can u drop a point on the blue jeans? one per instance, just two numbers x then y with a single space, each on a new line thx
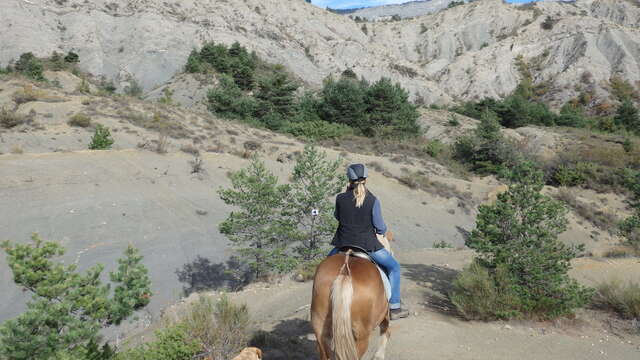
392 267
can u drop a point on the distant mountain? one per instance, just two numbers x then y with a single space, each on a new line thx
405 10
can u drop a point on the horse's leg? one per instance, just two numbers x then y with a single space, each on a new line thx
321 331
362 345
385 333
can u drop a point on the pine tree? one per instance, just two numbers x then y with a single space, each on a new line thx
277 93
343 102
258 229
315 180
627 116
194 63
68 309
519 234
390 112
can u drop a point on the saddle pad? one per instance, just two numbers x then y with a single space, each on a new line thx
383 275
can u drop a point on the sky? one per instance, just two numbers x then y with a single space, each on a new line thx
346 4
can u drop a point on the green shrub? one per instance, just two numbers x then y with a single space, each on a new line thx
30 66
572 175
630 231
318 130
72 58
194 63
479 294
627 145
229 101
434 148
485 151
101 139
9 119
79 120
172 343
442 245
548 23
133 89
519 233
453 121
621 298
627 116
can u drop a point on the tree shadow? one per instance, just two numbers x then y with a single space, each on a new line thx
289 340
201 275
438 282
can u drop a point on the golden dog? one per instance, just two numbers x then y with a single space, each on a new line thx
250 353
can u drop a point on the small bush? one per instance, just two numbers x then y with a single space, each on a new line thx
9 119
172 343
548 23
630 230
318 130
621 298
26 94
30 66
479 296
307 270
453 121
101 139
442 245
434 148
133 89
221 328
79 120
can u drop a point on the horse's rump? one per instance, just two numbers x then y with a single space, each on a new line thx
366 303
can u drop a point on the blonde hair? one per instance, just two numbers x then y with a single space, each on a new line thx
359 191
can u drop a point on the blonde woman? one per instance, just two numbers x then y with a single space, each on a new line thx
359 215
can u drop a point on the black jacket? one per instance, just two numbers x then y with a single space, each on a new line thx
356 224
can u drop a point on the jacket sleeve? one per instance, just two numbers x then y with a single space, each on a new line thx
378 222
335 211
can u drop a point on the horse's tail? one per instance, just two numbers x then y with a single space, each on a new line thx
343 341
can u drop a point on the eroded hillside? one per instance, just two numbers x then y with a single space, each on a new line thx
466 52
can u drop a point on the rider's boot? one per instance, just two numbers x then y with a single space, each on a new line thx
398 313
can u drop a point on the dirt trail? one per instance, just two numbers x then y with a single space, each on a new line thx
435 331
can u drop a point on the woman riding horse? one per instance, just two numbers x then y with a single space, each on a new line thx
359 215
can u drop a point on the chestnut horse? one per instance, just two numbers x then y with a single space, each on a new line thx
348 303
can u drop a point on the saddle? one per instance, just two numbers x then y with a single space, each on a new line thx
361 253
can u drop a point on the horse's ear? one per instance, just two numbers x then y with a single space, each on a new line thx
389 235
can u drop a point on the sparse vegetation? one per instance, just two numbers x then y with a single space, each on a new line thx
619 297
442 245
10 119
29 66
235 61
101 139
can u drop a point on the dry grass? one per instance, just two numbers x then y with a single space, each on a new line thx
416 180
622 298
79 120
190 149
29 93
620 251
601 219
10 119
17 149
222 327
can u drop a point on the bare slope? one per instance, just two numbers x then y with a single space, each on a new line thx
461 53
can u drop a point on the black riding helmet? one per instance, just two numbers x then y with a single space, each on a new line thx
356 172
